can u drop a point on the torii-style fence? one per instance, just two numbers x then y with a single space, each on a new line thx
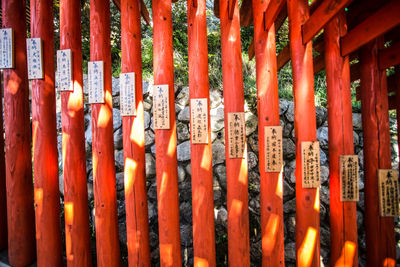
360 41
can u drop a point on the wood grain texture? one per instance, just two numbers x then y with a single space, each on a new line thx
105 198
137 224
268 115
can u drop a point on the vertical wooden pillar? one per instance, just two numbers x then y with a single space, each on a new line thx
77 236
268 115
380 238
166 161
105 196
3 191
44 132
137 224
307 199
21 216
236 168
201 154
343 217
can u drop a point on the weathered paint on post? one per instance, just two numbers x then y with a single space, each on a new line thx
380 238
44 133
3 191
166 159
343 215
137 224
268 115
236 168
77 237
307 199
201 154
20 216
105 196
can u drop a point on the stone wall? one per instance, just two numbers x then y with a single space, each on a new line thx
220 211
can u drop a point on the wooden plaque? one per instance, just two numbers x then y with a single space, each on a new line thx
34 58
388 193
236 134
127 94
96 82
64 70
310 164
6 48
161 107
199 120
349 178
273 148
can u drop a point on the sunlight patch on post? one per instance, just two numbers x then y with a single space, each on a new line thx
129 174
307 248
271 231
104 117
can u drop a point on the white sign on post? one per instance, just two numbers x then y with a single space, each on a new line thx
96 82
127 94
35 58
64 70
161 107
6 48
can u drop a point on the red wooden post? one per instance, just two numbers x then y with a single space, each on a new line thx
166 161
380 238
137 224
201 154
307 199
21 216
3 191
44 132
236 168
268 115
77 235
105 196
343 216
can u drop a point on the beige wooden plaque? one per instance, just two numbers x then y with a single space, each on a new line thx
96 81
310 164
349 178
127 94
161 107
273 148
199 120
34 58
388 193
6 48
64 70
236 134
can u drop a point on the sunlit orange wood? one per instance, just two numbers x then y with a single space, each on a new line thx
137 220
20 216
105 196
307 199
77 236
201 154
343 215
236 168
44 131
380 238
166 161
268 115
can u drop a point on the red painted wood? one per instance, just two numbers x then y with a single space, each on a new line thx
343 215
105 198
77 236
268 115
44 132
389 57
137 224
271 12
201 154
283 57
20 216
3 191
166 161
375 25
380 238
321 16
236 168
307 199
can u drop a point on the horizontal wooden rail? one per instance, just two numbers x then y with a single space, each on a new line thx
389 57
377 24
280 19
283 57
272 12
321 16
246 13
